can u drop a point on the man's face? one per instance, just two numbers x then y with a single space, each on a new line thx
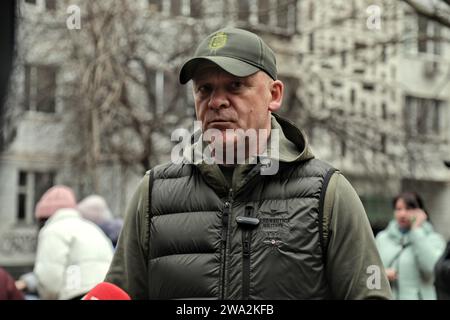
224 101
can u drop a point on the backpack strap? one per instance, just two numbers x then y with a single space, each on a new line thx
148 210
325 215
397 255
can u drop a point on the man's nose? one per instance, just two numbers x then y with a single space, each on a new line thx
218 99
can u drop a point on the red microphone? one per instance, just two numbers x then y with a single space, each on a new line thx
106 291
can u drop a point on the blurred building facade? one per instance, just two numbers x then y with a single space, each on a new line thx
369 87
384 71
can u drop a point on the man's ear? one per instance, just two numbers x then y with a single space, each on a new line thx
276 91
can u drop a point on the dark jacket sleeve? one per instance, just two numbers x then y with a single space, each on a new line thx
354 268
442 273
128 269
8 290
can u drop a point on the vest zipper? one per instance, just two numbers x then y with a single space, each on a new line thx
246 248
225 218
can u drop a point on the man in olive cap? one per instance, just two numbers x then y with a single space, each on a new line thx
229 230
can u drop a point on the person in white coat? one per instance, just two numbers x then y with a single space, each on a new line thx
94 208
409 248
73 254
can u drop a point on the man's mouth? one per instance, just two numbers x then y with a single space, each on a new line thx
220 124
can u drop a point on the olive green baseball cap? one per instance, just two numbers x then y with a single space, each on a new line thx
236 51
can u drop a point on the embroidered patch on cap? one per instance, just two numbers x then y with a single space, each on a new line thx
218 41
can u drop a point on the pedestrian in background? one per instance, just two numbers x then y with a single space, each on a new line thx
410 248
95 209
442 272
73 254
8 290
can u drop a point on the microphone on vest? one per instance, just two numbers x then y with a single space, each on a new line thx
106 291
247 221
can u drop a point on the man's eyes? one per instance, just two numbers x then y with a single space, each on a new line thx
235 85
203 89
232 86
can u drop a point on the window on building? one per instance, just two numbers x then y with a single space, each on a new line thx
40 88
428 36
273 15
286 15
422 34
193 8
343 58
383 53
263 11
353 10
50 4
384 111
311 42
363 109
368 86
336 83
30 1
155 5
243 10
196 7
408 34
383 139
31 187
283 7
424 116
359 51
343 148
352 96
21 198
175 7
311 11
437 39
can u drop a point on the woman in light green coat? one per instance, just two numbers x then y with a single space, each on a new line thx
410 248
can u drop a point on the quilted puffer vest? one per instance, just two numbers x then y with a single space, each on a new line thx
262 241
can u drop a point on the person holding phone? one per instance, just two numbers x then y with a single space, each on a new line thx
409 248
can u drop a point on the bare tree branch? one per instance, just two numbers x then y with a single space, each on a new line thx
439 15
